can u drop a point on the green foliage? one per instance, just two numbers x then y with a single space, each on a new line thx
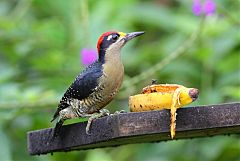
40 43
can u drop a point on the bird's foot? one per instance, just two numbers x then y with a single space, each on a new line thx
102 112
118 112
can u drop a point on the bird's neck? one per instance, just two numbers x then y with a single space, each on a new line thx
113 56
110 56
113 66
101 55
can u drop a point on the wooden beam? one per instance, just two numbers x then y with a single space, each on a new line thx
128 128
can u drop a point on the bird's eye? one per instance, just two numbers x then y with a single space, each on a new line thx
115 37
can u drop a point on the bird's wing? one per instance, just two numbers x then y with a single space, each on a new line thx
82 87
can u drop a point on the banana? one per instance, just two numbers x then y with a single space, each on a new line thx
163 96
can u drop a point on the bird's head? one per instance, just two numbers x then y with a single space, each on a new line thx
112 42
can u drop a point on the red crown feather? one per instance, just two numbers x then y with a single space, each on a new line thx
102 37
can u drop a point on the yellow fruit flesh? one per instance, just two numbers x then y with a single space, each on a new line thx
158 100
158 97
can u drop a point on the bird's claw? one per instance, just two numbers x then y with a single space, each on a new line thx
102 112
118 112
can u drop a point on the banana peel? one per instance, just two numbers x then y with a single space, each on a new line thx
163 96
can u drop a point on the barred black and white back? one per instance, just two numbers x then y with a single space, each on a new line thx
82 87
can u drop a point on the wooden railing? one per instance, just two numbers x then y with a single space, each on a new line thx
129 128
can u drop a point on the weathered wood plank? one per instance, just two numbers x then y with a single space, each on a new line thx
127 128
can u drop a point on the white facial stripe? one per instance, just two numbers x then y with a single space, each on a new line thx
109 37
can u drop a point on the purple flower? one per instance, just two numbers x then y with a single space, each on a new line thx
208 7
88 56
197 7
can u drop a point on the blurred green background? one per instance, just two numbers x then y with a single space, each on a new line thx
40 44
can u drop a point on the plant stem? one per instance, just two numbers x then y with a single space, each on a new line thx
157 67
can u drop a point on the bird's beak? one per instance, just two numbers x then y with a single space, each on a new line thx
131 35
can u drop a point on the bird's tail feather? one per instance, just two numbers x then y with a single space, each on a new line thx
58 127
56 114
53 119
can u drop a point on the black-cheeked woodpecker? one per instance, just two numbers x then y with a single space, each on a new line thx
97 85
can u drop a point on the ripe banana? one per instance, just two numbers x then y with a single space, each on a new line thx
163 96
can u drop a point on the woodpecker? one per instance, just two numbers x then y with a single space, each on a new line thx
97 84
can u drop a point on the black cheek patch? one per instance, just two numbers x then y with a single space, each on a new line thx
105 43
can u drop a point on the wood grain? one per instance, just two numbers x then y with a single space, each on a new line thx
138 127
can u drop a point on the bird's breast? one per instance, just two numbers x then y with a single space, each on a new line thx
112 79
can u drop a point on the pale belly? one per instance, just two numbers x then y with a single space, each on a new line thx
109 86
112 86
